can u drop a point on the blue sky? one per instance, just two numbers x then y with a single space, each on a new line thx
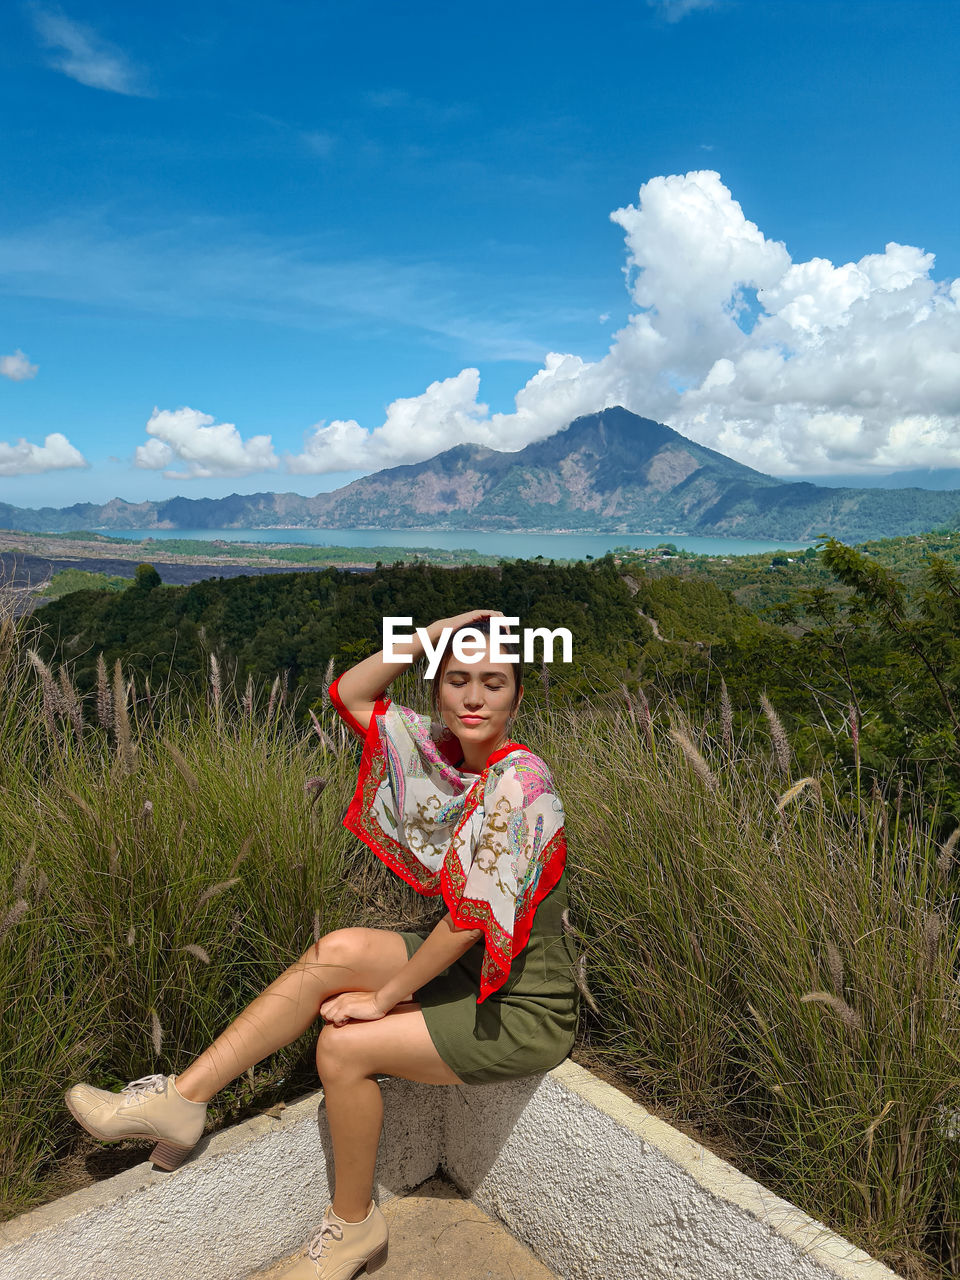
274 247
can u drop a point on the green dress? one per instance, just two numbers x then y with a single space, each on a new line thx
528 1025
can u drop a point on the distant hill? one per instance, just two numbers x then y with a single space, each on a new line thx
607 472
918 478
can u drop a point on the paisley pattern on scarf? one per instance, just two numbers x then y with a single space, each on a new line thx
493 845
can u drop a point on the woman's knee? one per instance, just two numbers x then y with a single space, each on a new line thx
336 1051
339 947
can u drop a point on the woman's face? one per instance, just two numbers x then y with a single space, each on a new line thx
476 699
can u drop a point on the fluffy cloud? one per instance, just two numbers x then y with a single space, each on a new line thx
415 428
17 367
789 367
24 459
82 55
204 447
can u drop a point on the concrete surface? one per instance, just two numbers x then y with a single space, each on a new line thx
601 1189
435 1234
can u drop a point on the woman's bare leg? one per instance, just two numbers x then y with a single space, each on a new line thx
349 1058
355 1116
345 960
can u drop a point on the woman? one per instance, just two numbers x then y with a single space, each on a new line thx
456 808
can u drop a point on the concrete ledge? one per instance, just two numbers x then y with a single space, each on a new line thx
598 1187
593 1183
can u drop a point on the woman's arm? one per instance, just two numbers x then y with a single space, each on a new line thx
444 945
361 685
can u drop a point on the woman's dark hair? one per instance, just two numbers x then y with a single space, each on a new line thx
483 626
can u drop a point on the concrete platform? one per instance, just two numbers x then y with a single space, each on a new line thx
436 1233
592 1183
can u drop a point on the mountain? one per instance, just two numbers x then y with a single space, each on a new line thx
607 472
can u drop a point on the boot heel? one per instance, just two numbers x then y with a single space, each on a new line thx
167 1155
376 1260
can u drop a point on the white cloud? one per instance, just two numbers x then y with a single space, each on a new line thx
415 428
84 56
17 367
25 459
674 10
203 446
856 365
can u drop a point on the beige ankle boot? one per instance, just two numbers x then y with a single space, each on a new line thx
340 1250
148 1108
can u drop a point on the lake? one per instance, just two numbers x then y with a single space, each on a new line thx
559 546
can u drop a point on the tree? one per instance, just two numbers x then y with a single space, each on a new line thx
146 579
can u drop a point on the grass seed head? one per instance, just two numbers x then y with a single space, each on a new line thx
104 695
580 978
121 720
216 687
854 728
52 697
82 805
791 793
244 852
726 716
947 851
695 759
932 932
848 1016
274 693
24 872
216 889
156 1032
197 951
322 734
180 763
778 735
835 965
16 912
314 788
629 702
71 702
758 1018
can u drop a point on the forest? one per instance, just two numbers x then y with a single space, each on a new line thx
856 648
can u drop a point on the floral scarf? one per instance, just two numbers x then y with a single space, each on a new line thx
492 845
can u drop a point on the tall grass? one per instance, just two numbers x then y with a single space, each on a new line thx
161 860
771 969
770 958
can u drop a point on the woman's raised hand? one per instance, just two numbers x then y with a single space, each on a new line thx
472 615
